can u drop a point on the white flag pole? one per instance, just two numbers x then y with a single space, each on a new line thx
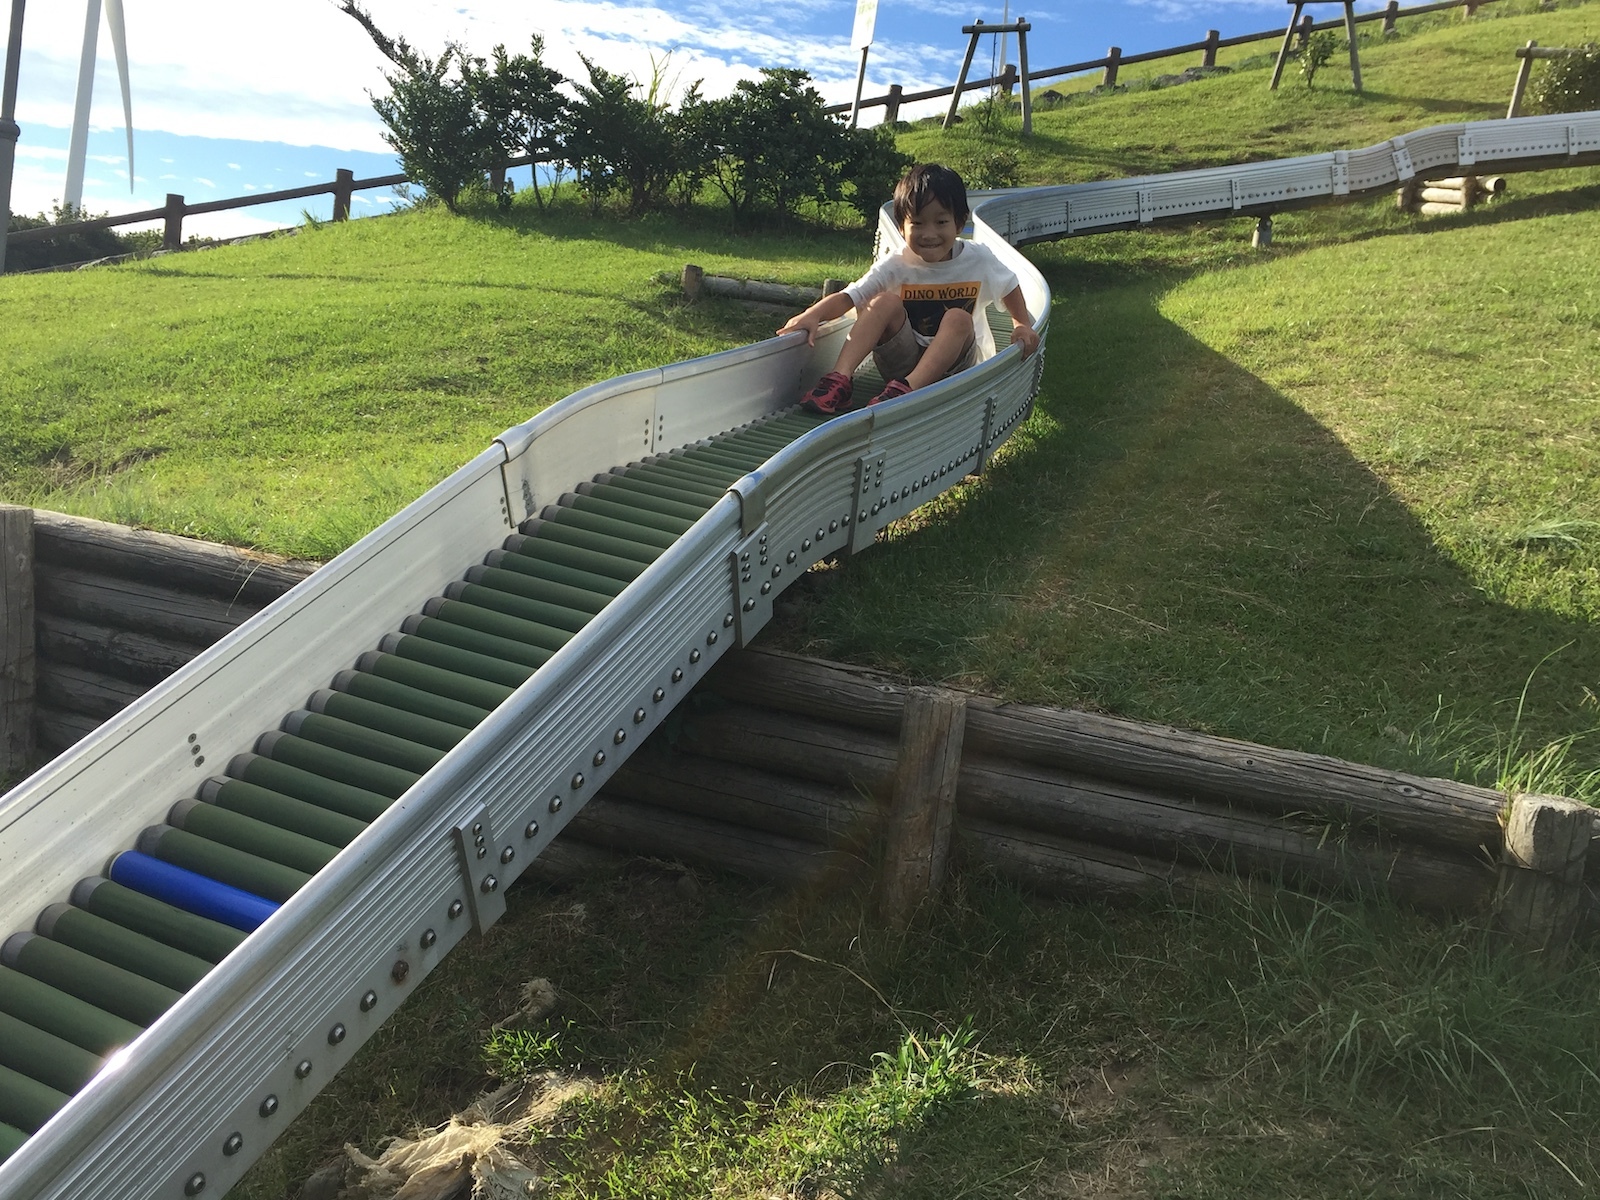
861 39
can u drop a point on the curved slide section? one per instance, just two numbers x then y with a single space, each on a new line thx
216 903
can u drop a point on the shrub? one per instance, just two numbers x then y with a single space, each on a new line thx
520 103
622 142
1568 84
435 124
1317 54
67 248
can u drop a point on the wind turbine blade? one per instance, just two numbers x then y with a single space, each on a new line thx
78 148
119 47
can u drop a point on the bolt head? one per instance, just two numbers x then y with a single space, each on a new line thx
766 587
638 716
694 656
577 781
599 758
429 937
660 694
531 829
750 605
336 1034
711 638
454 909
234 1144
489 884
677 674
268 1106
195 1184
401 970
507 855
302 1068
369 1001
555 804
482 850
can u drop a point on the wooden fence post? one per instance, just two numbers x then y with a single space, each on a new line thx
918 842
1524 69
1391 13
891 109
1306 24
1541 895
1113 58
172 234
342 181
1213 36
17 670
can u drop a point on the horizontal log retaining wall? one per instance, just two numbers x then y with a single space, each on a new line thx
783 768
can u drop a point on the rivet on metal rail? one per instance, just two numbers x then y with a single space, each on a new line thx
195 1185
268 1106
234 1144
336 1034
302 1068
455 909
429 937
369 1001
507 855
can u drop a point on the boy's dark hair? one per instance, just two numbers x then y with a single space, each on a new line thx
924 183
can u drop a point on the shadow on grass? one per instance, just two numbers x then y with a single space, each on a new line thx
1172 539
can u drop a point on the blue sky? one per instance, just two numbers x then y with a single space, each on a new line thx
225 104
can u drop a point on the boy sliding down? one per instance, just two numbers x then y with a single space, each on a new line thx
918 312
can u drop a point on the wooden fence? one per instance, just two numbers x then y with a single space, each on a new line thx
787 769
1115 60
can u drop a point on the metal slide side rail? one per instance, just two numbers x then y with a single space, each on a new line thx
246 1049
1261 189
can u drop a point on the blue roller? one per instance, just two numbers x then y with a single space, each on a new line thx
189 891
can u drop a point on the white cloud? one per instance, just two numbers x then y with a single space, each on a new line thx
204 182
235 167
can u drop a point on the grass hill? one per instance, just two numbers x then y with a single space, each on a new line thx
1339 495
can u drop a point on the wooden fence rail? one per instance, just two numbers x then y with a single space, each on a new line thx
342 187
1114 60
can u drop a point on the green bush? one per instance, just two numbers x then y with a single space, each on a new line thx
1318 52
624 142
67 248
435 124
520 103
1568 84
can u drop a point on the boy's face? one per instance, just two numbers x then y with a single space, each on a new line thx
931 232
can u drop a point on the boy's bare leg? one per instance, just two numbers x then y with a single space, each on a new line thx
946 349
883 315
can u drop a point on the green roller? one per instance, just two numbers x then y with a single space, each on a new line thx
222 863
53 1061
518 584
11 1139
598 542
363 804
115 989
637 514
26 1103
398 695
605 585
680 478
469 653
706 464
417 659
683 501
626 569
441 735
599 523
51 1009
252 836
743 459
356 739
634 498
285 812
540 611
684 474
110 942
210 940
335 764
486 620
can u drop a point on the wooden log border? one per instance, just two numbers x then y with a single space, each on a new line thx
790 769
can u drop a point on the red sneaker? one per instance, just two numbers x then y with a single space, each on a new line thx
831 396
892 389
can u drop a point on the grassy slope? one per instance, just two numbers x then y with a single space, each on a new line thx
291 394
1342 495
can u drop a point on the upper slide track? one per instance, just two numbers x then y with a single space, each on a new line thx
469 720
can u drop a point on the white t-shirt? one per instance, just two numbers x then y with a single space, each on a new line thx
972 278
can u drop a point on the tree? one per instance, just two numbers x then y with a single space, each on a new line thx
521 104
434 123
620 141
